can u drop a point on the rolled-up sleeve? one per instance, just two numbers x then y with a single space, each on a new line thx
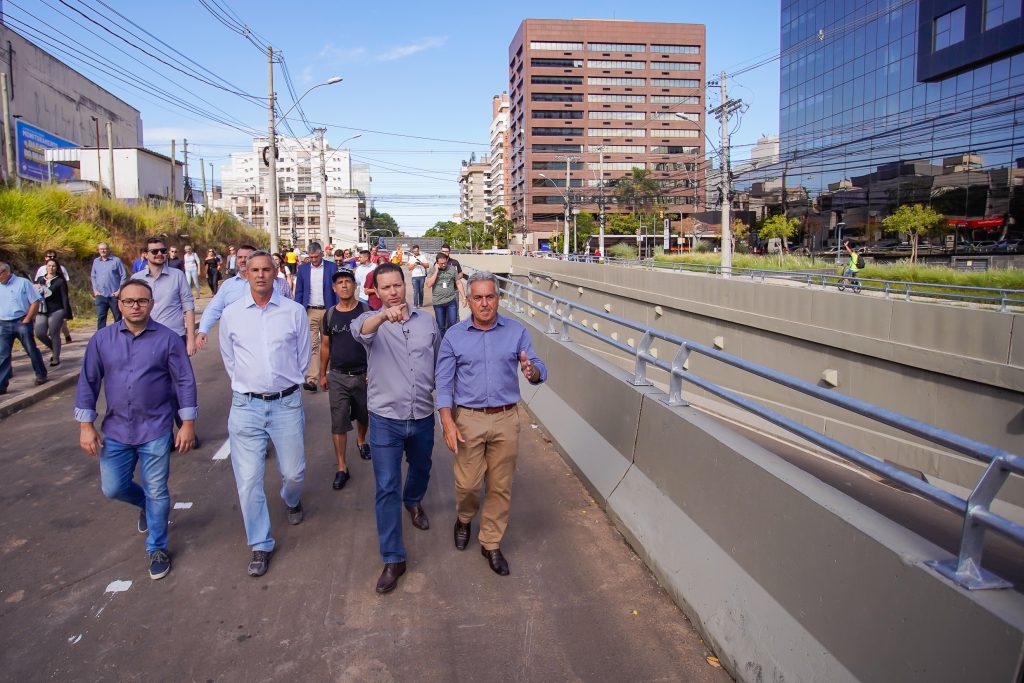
89 384
444 375
188 303
304 339
357 330
526 344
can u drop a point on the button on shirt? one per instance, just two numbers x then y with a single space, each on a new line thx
401 361
316 285
265 350
480 368
108 275
143 376
230 291
16 297
172 297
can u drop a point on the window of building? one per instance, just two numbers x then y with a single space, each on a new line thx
617 149
556 97
557 63
622 115
616 47
547 199
555 114
998 12
542 149
543 45
617 132
546 217
556 80
677 82
558 131
672 149
674 116
556 166
675 99
676 66
949 29
674 134
613 64
558 182
674 166
677 49
601 80
615 165
614 98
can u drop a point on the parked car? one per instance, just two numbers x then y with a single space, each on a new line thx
1009 246
985 246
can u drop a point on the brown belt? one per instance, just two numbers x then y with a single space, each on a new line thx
491 411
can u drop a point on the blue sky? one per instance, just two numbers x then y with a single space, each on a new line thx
412 70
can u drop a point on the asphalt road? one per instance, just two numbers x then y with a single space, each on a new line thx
579 604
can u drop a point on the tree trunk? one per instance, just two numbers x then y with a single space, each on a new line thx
913 247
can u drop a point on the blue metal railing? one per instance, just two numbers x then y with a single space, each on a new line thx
965 570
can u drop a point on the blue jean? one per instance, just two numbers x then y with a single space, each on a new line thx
388 439
104 304
251 423
9 331
417 290
446 314
117 470
192 277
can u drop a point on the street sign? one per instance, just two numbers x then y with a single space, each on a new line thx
665 236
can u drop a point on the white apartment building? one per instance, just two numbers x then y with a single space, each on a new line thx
299 172
499 157
475 190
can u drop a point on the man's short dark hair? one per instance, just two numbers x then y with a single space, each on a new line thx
338 253
389 268
344 272
247 247
364 251
443 255
446 246
135 283
153 239
315 246
415 246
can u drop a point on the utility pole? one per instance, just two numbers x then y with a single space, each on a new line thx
171 194
206 197
186 192
12 170
110 161
99 163
272 151
325 228
722 112
600 189
568 189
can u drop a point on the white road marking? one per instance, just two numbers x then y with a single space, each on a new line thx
74 639
224 451
118 586
183 506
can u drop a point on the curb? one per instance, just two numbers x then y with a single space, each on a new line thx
38 394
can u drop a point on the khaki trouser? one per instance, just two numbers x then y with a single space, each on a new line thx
313 370
487 457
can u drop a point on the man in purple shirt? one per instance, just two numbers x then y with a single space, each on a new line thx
145 371
477 398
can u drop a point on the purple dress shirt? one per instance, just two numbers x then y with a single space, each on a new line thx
143 378
480 368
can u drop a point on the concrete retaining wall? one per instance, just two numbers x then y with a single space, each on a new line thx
788 579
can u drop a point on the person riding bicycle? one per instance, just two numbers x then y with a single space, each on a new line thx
855 265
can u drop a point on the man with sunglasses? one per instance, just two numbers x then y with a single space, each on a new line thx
173 305
147 381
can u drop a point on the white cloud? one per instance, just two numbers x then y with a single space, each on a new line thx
333 53
406 50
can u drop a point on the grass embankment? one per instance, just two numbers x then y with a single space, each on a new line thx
41 218
900 271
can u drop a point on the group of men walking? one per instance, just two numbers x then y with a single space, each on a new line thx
388 370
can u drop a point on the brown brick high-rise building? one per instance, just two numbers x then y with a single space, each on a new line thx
610 96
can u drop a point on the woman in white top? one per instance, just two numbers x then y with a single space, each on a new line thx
192 264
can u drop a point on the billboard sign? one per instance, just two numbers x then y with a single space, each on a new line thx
31 144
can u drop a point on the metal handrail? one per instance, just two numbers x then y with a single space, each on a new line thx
929 290
965 570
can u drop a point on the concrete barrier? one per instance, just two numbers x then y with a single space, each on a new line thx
787 577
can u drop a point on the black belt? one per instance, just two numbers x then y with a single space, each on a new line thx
350 373
491 410
317 308
274 396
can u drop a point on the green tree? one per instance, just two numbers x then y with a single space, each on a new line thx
778 226
501 226
637 190
915 220
451 232
378 221
740 232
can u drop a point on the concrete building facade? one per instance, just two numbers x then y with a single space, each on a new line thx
475 190
610 96
500 152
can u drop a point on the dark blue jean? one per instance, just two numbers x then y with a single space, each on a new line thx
417 290
388 440
446 314
9 331
104 304
117 479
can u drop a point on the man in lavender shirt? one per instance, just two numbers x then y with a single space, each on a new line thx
145 371
401 348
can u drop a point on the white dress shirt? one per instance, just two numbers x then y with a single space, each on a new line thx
265 350
361 273
316 285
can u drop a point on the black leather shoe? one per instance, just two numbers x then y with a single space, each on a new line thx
309 386
389 577
462 534
364 451
339 480
419 517
497 561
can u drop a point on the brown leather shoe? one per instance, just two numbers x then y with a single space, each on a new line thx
497 561
462 534
419 516
389 577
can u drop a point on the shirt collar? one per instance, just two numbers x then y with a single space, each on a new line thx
275 298
498 320
123 327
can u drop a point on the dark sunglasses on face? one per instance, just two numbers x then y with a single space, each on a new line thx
158 251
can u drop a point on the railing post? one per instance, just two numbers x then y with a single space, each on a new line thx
675 382
640 370
888 294
566 314
552 307
966 570
1002 298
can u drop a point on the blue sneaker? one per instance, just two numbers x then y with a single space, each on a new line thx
159 564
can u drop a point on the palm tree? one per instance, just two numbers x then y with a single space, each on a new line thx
638 189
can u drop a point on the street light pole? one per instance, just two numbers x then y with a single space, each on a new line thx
272 222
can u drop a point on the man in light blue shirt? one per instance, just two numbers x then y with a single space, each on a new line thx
19 302
108 274
477 398
173 305
264 341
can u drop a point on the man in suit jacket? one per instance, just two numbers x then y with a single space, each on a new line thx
313 290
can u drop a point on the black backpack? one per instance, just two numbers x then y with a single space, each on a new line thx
860 260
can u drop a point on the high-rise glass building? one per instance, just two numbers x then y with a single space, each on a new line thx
886 102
